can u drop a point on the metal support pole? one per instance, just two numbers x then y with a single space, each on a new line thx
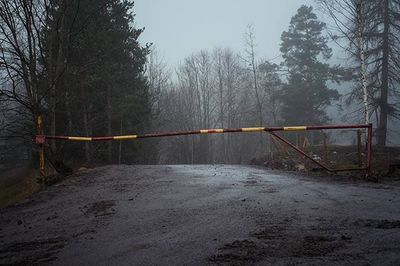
369 150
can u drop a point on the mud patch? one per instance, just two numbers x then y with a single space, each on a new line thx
32 252
269 190
84 233
141 247
239 252
274 232
123 187
100 208
276 242
379 224
251 181
315 245
283 242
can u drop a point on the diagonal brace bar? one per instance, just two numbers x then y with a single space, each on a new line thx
298 150
312 159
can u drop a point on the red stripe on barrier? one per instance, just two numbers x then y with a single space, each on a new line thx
102 138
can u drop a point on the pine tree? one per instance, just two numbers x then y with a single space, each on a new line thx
306 94
103 90
383 61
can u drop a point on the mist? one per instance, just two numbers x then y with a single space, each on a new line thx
156 66
214 132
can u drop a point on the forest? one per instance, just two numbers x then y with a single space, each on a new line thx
80 65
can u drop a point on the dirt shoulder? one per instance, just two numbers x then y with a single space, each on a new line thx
17 185
385 165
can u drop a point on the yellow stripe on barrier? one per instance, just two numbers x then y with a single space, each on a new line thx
295 128
252 129
125 137
206 131
80 138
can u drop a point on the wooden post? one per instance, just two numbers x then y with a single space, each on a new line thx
359 148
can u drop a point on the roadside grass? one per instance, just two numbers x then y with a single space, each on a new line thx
16 185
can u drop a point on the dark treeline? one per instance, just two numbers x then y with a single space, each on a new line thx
80 65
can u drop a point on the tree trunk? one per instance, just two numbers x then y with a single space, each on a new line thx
221 113
85 124
120 143
53 119
69 112
56 72
361 49
109 128
382 130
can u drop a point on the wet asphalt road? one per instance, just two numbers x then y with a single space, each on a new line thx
202 215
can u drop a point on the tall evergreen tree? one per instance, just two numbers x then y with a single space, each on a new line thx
103 90
383 61
306 94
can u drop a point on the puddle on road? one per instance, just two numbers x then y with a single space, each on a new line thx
221 174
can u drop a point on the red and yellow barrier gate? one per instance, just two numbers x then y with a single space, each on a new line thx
41 139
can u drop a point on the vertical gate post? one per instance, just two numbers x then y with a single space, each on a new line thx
369 149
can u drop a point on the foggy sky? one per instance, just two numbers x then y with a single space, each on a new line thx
180 27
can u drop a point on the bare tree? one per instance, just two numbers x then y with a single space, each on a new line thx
349 18
227 71
21 48
250 59
23 65
158 76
